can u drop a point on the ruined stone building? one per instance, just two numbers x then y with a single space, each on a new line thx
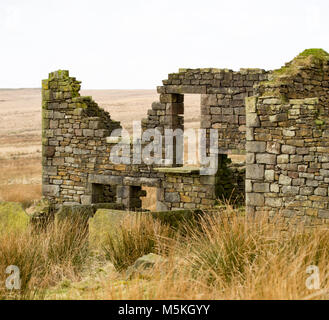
279 119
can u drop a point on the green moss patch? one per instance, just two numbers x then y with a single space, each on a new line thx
305 60
12 217
319 54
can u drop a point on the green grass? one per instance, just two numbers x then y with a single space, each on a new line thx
12 217
317 53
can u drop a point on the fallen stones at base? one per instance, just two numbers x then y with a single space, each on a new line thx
44 213
144 266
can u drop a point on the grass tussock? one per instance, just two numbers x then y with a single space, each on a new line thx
43 258
135 236
232 257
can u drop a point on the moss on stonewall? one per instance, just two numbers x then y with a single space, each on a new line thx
304 59
282 76
319 54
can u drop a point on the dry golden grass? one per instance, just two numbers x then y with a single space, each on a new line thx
233 258
23 193
20 180
20 170
134 237
43 258
226 257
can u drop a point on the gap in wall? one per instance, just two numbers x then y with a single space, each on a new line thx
192 115
149 201
102 193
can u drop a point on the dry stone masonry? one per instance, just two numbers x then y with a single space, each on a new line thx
279 119
222 102
288 141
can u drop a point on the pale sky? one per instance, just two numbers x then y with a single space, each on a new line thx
134 44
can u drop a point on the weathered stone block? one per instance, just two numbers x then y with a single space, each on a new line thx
255 171
249 134
320 191
255 146
216 110
185 89
266 158
275 188
252 120
255 199
209 99
49 151
50 190
288 133
272 101
161 206
273 202
158 106
324 172
296 158
248 186
122 192
288 149
58 161
105 179
323 214
269 175
290 190
283 158
306 191
285 180
250 103
250 158
58 115
261 187
88 132
50 170
172 197
279 117
273 147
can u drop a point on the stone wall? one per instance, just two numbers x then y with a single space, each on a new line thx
280 118
74 130
76 155
186 189
287 142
